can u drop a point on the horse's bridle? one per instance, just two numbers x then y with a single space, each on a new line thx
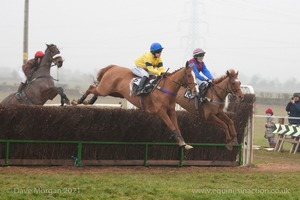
183 79
227 89
232 91
180 84
55 54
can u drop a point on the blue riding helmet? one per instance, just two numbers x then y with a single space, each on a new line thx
156 47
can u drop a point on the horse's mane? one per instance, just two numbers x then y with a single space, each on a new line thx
230 72
220 79
176 70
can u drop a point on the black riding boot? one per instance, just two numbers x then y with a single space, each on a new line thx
140 89
19 92
202 91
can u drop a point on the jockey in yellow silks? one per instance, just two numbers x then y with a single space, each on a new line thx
149 63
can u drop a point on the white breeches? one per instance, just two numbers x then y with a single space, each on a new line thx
139 71
198 81
22 75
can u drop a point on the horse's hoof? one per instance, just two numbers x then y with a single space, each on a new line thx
229 146
188 147
182 144
85 102
235 142
74 102
67 101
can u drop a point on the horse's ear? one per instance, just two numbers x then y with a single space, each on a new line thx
227 73
237 73
47 45
187 64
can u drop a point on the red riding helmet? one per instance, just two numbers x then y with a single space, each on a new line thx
39 54
269 111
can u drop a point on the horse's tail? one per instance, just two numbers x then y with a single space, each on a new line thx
102 72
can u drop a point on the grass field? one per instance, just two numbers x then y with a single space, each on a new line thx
273 176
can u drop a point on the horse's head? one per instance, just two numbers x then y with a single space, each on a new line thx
182 77
187 79
52 54
234 85
190 78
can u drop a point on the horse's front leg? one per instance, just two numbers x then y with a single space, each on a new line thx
90 90
173 116
230 124
63 97
214 119
173 127
52 92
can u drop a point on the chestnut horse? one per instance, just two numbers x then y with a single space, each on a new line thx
115 81
212 109
40 85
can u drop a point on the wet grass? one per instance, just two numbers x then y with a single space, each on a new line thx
269 157
154 182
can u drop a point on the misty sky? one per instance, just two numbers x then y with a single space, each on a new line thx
256 37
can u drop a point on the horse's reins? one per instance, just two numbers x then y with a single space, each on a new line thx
213 101
42 77
230 90
226 90
178 83
55 64
164 90
182 80
156 86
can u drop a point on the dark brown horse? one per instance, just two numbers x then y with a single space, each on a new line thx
40 86
212 109
115 81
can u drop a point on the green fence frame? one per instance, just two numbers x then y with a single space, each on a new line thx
80 143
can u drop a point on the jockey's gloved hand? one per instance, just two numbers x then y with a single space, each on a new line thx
209 81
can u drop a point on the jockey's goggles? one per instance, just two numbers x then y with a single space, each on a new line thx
200 55
158 51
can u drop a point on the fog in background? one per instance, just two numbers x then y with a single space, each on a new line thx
258 38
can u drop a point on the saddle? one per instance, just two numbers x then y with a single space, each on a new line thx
135 82
189 94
